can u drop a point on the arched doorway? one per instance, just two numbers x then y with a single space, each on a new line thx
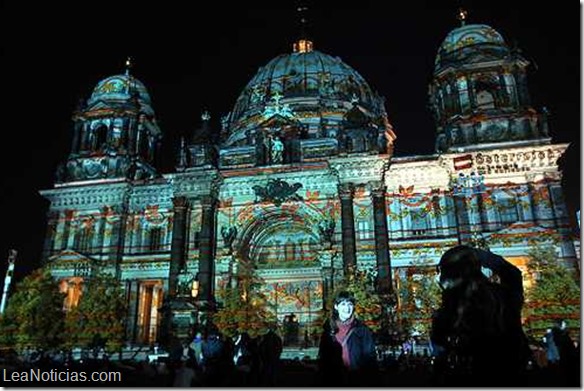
284 245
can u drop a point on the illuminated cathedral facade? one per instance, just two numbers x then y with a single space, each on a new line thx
301 182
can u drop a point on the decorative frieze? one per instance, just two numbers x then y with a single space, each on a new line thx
193 184
518 159
360 169
87 197
422 175
143 196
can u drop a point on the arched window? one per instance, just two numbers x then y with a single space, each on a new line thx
144 144
155 241
101 135
485 100
486 93
82 239
462 87
511 88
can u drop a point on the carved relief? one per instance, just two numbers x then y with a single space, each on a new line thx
277 191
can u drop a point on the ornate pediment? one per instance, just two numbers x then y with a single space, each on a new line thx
278 121
71 262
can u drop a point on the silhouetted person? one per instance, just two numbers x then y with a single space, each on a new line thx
270 349
477 330
551 349
246 359
346 355
569 355
213 354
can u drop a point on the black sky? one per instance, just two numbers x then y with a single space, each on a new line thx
199 55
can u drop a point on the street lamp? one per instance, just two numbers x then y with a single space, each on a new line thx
195 288
11 260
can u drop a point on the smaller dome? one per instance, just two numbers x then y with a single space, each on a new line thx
465 43
119 88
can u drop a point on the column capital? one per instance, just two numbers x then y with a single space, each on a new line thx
208 201
180 202
346 190
377 188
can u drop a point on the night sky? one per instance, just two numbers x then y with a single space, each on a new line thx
194 56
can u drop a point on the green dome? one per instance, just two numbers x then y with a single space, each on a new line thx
119 88
471 43
309 83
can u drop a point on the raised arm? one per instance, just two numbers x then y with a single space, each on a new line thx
509 274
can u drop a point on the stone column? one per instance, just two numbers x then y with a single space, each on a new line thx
206 253
327 260
474 212
101 229
52 225
521 85
131 138
132 301
346 191
116 245
76 137
384 283
470 87
177 247
66 236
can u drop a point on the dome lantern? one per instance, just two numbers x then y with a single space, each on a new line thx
302 46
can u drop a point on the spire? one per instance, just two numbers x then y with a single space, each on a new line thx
128 65
203 134
303 45
462 16
206 125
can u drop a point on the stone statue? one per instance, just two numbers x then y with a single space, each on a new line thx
276 150
229 235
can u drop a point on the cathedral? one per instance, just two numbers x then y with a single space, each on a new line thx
300 181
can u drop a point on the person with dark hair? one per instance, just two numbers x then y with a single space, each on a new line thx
270 350
346 355
213 353
244 359
477 330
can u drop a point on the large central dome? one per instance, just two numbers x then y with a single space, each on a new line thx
311 85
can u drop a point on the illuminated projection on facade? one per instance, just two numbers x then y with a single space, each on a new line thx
303 182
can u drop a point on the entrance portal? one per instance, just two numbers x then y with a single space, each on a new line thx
298 303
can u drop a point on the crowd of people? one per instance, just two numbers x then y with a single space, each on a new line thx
477 335
476 339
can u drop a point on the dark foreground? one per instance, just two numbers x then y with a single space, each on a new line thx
287 373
